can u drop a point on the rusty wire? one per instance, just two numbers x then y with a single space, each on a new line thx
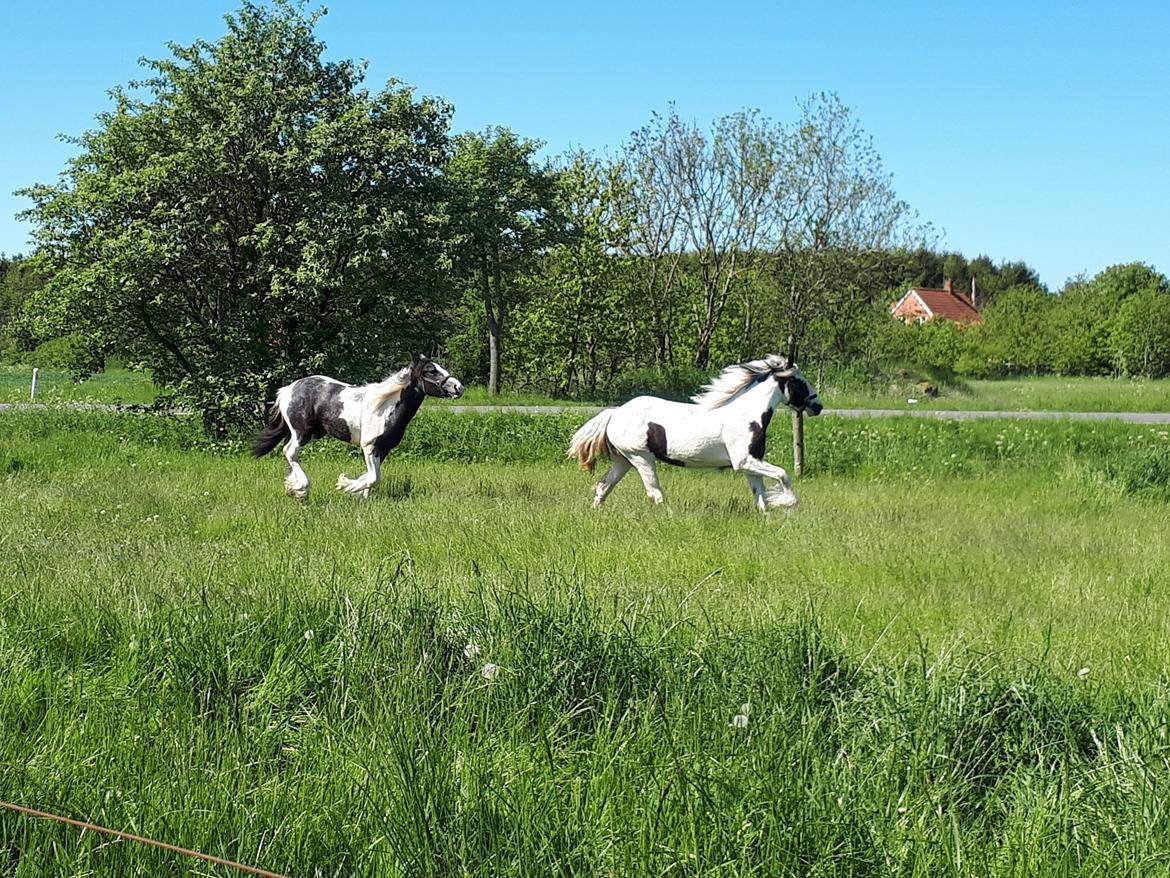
45 815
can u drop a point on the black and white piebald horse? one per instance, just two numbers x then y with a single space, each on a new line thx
724 427
373 417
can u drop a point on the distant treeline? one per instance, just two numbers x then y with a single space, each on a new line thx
1116 323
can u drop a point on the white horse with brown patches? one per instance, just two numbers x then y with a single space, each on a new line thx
724 427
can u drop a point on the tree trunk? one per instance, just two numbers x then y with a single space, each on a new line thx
495 324
703 351
493 360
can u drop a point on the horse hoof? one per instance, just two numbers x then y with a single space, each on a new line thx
782 500
295 491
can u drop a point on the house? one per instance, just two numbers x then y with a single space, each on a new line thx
921 304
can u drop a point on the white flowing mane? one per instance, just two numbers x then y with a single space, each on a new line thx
378 393
724 388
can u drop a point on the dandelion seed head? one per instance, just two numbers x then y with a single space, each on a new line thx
490 671
309 634
471 650
1083 674
739 721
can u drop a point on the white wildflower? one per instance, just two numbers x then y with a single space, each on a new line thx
471 650
490 671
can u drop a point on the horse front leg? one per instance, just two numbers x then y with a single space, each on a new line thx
780 496
756 483
365 482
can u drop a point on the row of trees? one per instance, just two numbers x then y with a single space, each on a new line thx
691 245
250 212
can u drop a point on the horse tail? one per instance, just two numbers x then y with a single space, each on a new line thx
274 432
592 441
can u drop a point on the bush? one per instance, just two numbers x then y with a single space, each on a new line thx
672 382
69 352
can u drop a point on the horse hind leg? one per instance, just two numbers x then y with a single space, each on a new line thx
620 467
296 482
649 473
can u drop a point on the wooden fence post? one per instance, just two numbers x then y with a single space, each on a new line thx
798 444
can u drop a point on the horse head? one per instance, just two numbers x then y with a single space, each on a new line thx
432 379
799 394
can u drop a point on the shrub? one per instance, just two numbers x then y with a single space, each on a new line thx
670 382
69 352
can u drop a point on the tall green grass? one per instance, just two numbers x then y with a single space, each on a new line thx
952 665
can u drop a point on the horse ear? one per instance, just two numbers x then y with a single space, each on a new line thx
788 369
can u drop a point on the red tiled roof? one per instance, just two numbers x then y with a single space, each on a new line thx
948 305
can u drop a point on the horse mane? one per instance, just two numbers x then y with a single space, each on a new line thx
378 393
728 383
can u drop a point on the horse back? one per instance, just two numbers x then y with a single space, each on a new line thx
316 408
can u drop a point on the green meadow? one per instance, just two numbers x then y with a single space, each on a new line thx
951 659
115 385
1034 393
1047 393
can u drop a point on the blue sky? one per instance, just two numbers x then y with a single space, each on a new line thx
1023 130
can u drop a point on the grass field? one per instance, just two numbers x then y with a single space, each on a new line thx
1047 393
952 655
1023 394
111 386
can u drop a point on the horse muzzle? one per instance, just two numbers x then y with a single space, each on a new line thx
452 388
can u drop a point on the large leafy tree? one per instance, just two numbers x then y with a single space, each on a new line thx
503 213
250 212
1084 322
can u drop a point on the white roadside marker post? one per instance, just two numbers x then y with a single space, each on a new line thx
33 392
